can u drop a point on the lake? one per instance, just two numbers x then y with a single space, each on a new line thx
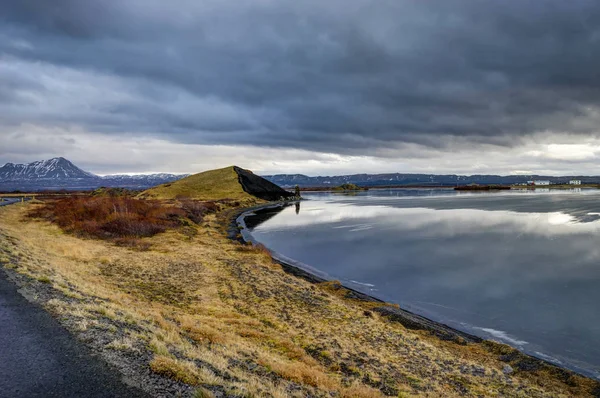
520 267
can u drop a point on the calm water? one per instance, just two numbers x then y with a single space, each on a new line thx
518 267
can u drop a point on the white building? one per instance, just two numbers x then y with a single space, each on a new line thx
538 182
575 182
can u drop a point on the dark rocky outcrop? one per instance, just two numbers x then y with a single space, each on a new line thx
259 187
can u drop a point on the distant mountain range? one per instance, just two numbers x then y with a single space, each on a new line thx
400 179
60 173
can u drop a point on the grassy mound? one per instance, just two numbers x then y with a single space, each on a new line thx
209 185
232 183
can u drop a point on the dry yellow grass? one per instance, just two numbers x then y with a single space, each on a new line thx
209 185
215 315
183 371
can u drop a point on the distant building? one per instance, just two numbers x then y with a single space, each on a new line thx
538 182
575 182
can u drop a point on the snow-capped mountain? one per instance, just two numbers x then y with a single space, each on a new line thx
159 178
60 173
55 168
139 181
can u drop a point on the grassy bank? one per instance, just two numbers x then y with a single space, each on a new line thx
557 186
205 315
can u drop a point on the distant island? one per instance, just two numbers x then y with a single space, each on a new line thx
349 187
477 187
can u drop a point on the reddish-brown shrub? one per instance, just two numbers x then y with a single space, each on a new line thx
196 211
121 219
111 217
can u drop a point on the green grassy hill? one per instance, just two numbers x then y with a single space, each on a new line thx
209 185
228 183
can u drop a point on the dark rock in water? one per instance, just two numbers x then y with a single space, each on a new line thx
259 187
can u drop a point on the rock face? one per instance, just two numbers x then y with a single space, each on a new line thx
260 187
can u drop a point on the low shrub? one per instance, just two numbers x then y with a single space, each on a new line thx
120 219
114 192
196 211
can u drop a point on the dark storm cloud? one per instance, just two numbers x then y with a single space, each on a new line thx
343 76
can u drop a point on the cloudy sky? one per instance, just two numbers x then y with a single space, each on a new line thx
314 87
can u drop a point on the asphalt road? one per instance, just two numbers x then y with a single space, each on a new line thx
39 358
8 201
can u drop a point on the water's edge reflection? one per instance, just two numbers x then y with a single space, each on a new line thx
316 224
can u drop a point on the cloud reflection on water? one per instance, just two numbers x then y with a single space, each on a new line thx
523 264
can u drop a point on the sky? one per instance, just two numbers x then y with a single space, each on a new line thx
312 87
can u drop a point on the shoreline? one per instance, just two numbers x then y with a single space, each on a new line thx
237 230
239 298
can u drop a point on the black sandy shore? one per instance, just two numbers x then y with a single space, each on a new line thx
519 360
39 358
239 231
